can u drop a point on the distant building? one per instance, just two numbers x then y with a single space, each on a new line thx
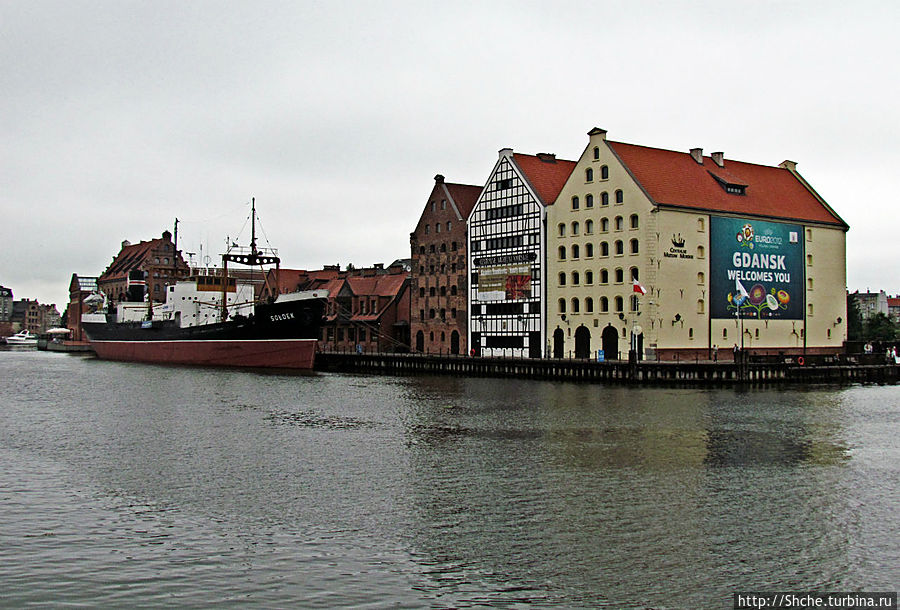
6 301
871 303
439 284
80 288
894 309
52 317
507 246
34 317
157 259
6 311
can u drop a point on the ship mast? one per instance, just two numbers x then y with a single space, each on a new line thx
255 257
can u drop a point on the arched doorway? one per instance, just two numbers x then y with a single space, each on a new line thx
610 340
559 343
454 343
420 341
582 342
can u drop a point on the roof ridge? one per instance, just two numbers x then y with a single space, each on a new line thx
679 152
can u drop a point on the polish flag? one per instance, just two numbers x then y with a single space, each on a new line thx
636 287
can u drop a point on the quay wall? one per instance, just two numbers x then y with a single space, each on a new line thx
696 372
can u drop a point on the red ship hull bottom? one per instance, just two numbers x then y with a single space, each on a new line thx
257 353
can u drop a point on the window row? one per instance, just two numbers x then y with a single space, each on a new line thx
619 274
434 291
604 169
574 305
604 199
618 224
432 269
433 313
443 248
618 249
506 211
437 227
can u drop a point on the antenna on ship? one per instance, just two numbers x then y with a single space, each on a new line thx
253 251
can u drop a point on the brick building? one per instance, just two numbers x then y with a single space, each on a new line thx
161 264
439 283
367 310
285 281
80 288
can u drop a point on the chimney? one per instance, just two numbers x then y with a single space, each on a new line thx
596 131
125 244
506 152
719 158
439 179
791 166
697 154
547 157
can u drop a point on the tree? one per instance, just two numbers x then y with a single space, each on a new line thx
854 320
880 328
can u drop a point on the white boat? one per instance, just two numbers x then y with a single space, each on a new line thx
22 338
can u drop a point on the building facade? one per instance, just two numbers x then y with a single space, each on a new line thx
368 311
34 317
871 303
80 288
680 255
507 253
157 259
6 311
894 309
439 281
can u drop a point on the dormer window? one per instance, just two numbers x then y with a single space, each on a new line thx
732 188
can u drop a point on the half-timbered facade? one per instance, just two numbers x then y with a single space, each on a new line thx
507 252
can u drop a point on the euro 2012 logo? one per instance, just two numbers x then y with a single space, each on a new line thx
745 236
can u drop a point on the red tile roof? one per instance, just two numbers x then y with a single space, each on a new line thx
675 179
465 196
130 257
333 287
546 173
379 285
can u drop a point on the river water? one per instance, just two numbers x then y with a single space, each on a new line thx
139 485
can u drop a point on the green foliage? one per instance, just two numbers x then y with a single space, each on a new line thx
880 328
854 320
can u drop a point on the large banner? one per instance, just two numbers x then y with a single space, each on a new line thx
756 269
504 278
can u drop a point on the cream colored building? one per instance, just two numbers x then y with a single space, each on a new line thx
681 255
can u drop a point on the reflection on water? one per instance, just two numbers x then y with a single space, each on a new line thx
126 484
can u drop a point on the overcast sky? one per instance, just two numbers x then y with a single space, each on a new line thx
117 117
